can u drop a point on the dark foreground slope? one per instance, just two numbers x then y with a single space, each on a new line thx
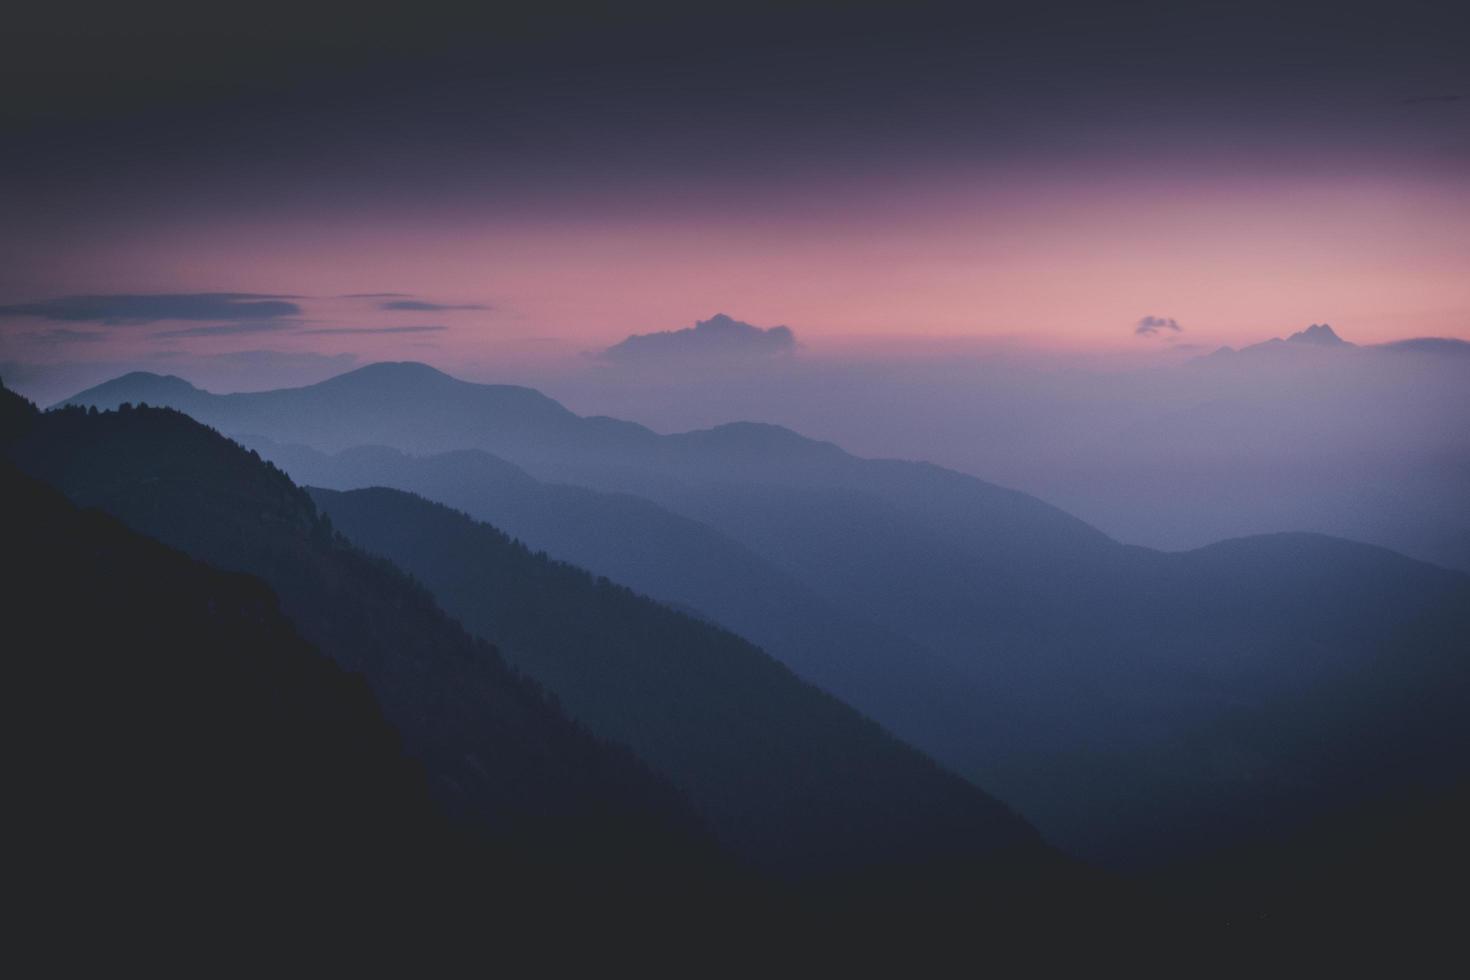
1393 867
502 762
168 726
783 773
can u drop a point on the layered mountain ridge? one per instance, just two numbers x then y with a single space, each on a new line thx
1134 704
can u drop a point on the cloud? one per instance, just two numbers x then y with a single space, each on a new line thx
338 331
132 308
65 335
420 306
719 336
374 295
229 329
1149 326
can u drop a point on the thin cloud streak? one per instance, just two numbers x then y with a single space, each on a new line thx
343 331
421 306
119 309
1149 326
228 329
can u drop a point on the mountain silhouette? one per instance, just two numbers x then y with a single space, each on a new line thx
670 557
501 760
169 725
1323 337
790 779
1320 334
1135 705
404 403
771 763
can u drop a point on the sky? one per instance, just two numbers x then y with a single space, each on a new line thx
884 179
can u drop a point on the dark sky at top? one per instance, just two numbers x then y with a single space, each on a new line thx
285 93
588 171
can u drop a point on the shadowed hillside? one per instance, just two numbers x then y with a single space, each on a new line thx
501 760
675 559
169 726
782 772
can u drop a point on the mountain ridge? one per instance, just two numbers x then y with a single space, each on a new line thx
766 757
459 706
1114 695
498 748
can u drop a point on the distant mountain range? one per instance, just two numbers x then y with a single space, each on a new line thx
1136 705
787 779
1277 723
1322 337
687 564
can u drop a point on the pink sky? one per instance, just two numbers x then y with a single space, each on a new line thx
1046 261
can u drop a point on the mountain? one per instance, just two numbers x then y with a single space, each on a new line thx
168 724
1364 442
673 558
1323 337
790 779
1135 705
783 774
1320 335
402 403
1127 693
502 761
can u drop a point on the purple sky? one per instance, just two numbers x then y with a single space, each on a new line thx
877 177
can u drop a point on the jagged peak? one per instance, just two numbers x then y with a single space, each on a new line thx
1321 334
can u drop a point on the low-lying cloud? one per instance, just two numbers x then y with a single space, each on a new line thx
343 331
230 329
719 336
1150 326
423 306
65 335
